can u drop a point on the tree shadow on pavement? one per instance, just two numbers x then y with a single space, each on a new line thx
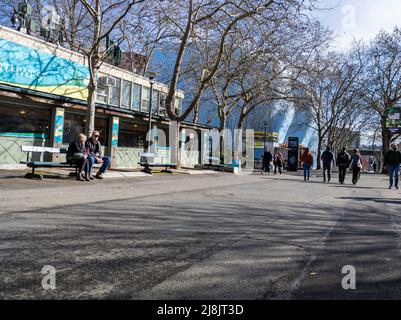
201 248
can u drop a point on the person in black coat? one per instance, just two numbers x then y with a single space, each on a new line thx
343 162
267 159
78 156
392 162
328 159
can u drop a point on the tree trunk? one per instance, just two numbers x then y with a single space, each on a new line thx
238 137
91 108
176 144
222 126
319 150
195 118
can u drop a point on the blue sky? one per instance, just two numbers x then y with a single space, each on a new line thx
359 19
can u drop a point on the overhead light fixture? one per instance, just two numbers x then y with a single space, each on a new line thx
152 77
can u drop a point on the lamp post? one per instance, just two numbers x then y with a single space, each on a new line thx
152 82
265 124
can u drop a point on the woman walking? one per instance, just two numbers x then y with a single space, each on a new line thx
278 163
356 166
307 163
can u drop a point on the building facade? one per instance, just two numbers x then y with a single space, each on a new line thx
43 96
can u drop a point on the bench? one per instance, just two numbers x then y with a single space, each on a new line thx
144 162
43 164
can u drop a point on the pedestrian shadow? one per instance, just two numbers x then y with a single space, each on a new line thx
350 186
374 199
296 179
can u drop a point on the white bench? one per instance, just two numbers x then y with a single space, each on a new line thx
43 164
144 162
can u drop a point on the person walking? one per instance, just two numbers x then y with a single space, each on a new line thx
343 162
328 160
267 159
374 166
278 163
392 161
356 166
307 163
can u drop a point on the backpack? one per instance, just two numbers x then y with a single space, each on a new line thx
343 158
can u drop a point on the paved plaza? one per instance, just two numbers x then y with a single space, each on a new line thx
209 236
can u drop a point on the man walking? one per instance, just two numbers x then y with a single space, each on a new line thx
267 159
327 159
392 161
343 162
94 149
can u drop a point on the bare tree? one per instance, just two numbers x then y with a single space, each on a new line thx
105 16
330 91
260 64
382 91
190 20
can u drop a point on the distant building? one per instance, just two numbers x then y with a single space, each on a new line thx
133 62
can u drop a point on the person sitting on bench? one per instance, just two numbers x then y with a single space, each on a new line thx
78 156
94 149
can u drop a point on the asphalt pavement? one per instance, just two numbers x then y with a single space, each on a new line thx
218 236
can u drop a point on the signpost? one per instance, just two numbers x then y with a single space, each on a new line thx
293 146
394 120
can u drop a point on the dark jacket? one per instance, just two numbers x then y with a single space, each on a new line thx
356 160
94 148
327 158
267 157
278 159
392 158
343 159
74 148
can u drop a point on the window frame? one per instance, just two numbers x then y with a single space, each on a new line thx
128 107
118 105
145 89
138 86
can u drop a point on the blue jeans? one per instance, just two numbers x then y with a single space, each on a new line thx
103 168
306 170
394 172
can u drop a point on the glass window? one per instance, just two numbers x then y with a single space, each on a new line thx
155 101
131 135
74 124
102 90
24 122
162 104
136 97
126 94
177 105
145 99
115 92
102 125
